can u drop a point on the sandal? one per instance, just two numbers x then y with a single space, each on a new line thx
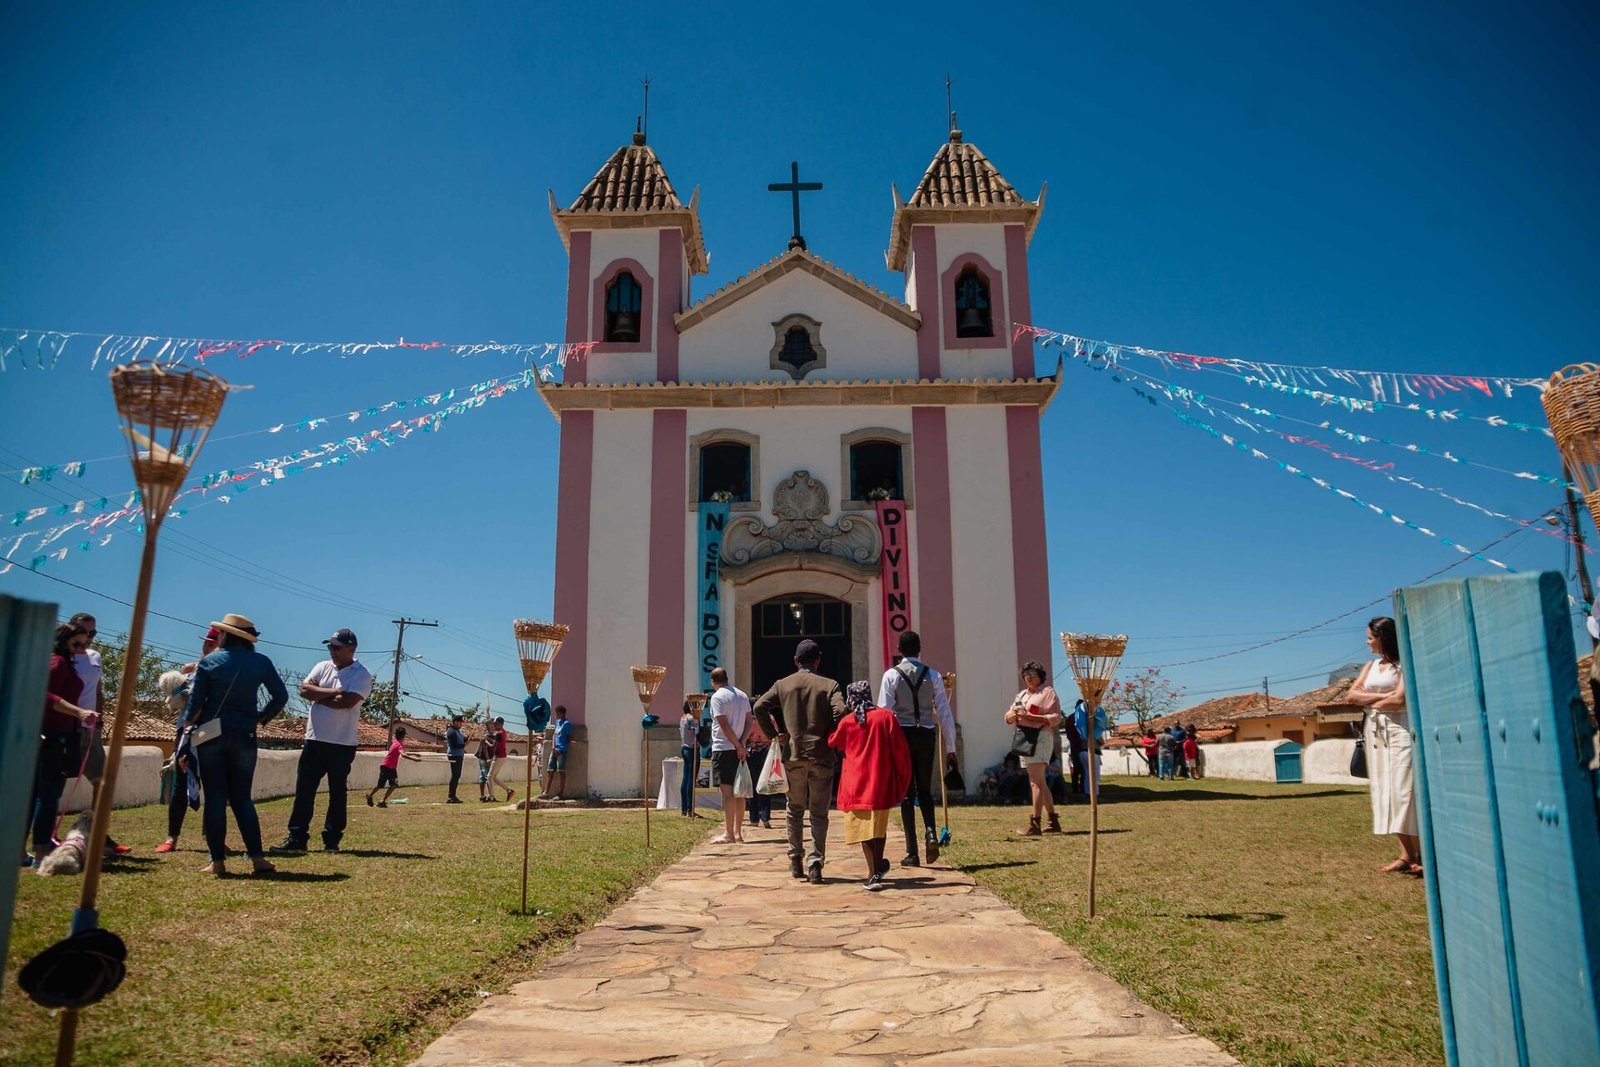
1396 867
169 845
1032 830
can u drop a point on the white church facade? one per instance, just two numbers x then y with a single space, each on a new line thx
795 455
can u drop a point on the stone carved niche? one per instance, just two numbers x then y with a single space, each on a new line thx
801 507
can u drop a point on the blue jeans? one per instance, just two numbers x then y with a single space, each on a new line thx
690 754
227 771
45 804
1164 761
759 806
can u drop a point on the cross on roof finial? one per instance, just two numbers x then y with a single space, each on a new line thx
644 121
950 109
794 186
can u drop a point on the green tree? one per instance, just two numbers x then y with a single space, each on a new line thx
1146 695
379 705
152 665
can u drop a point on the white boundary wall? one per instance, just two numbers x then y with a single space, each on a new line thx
139 779
1325 762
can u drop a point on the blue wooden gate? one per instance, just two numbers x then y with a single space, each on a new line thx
26 630
1508 818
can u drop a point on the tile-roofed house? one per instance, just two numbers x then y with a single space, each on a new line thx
1301 718
632 190
1215 714
960 185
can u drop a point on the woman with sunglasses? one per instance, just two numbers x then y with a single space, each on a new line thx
61 737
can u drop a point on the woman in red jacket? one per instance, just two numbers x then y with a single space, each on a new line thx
877 773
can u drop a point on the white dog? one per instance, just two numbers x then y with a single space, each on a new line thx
67 857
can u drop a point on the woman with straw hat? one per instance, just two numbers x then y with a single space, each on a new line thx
224 692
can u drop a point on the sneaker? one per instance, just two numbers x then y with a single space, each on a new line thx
290 846
381 803
330 846
369 800
167 846
874 883
453 800
911 860
795 870
814 876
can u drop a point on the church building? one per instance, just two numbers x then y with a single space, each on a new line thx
795 455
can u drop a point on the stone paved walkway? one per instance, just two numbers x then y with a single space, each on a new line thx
725 958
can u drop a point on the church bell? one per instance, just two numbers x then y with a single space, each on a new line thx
970 323
625 327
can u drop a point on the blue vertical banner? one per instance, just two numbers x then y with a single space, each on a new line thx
708 567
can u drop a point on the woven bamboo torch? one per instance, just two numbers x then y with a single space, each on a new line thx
1094 659
646 680
537 646
1572 404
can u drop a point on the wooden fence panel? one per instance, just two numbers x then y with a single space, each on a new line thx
27 629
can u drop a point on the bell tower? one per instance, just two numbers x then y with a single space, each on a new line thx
962 242
631 248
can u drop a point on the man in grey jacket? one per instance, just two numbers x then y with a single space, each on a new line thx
799 712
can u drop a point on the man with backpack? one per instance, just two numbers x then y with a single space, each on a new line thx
915 692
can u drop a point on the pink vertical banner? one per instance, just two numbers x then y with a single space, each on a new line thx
896 575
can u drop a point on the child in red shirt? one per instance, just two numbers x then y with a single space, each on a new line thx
389 770
1191 753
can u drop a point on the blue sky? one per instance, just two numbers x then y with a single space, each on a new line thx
1389 187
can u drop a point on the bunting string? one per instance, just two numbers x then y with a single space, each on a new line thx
1177 394
1288 468
1386 388
43 349
237 482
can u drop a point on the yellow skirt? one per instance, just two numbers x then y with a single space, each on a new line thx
862 826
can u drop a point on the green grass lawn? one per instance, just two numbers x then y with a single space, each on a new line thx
1254 913
355 958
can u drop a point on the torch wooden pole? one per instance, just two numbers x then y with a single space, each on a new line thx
527 819
1094 810
644 785
86 917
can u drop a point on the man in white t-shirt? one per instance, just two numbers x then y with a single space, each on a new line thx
335 689
730 716
88 668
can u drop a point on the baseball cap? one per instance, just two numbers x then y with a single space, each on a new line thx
342 637
807 649
457 717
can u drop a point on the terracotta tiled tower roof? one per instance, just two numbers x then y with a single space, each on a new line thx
632 191
633 179
962 176
960 185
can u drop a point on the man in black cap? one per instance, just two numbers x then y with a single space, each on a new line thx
799 713
335 689
455 750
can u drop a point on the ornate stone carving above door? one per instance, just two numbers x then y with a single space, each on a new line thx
801 507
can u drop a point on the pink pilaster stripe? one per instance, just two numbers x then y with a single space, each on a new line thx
669 300
935 600
925 260
668 618
1029 555
572 557
1017 299
577 308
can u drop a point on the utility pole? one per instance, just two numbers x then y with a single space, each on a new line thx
1268 690
399 655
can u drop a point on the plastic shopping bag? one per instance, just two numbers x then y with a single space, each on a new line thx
741 781
773 780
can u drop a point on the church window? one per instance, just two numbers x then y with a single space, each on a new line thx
973 315
623 301
875 471
797 346
725 471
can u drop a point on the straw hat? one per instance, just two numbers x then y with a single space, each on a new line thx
239 626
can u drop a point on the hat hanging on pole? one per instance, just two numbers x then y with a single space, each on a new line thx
646 680
1094 659
1572 405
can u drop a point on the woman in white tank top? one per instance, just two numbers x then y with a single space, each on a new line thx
1381 689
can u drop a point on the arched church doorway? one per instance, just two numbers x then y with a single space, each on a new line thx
779 624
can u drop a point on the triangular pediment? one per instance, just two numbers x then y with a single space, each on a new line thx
797 260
